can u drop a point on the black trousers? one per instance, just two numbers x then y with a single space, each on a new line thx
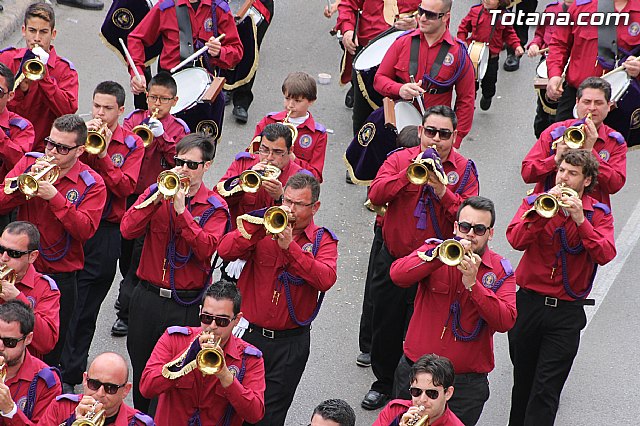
471 391
68 286
130 251
543 119
101 253
149 318
542 345
364 337
361 108
527 6
566 103
490 78
392 310
284 362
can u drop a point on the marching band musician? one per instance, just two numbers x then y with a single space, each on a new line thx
414 212
432 386
56 93
29 385
116 158
333 412
106 384
232 394
479 291
442 65
175 265
66 212
19 244
283 283
607 145
555 276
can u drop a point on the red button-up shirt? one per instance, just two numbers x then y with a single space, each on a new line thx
439 287
540 268
396 408
263 300
119 170
162 22
477 26
391 185
580 42
47 99
394 72
60 219
160 222
179 398
19 388
544 31
539 166
64 406
16 139
311 145
158 155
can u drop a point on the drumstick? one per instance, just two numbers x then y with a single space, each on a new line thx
419 97
620 68
541 51
194 55
130 59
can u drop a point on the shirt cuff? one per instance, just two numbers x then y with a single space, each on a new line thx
11 413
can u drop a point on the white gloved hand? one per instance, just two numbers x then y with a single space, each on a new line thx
239 329
234 268
41 54
156 127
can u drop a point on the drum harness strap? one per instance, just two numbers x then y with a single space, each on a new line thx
435 68
607 37
186 33
493 27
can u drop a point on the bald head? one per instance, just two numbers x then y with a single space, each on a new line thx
112 362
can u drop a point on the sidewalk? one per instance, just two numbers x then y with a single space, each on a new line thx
11 18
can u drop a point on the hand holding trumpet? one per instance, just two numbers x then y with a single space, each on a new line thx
411 416
469 265
571 203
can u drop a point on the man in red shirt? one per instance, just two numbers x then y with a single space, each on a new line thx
444 65
56 94
555 275
333 412
607 145
480 291
175 265
297 265
184 392
19 244
414 213
66 212
30 385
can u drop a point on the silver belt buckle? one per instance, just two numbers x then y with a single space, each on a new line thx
551 301
269 334
165 292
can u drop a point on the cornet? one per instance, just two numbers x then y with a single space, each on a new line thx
418 171
7 274
251 180
96 140
292 127
28 183
450 252
275 220
574 136
92 418
418 420
170 182
144 131
210 360
547 205
32 69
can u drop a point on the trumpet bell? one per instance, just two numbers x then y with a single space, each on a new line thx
275 220
144 133
418 173
210 360
28 183
250 181
574 137
451 252
33 69
170 182
546 205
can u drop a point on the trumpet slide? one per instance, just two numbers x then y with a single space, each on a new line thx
292 127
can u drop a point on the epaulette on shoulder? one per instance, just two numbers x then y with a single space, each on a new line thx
133 112
130 142
474 169
52 282
330 232
271 114
244 154
87 177
617 136
253 351
176 329
531 198
395 150
557 132
6 49
223 5
602 206
34 154
69 396
582 2
49 376
320 128
143 418
215 202
71 66
187 130
19 122
166 4
506 266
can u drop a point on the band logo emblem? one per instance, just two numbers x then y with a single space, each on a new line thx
305 141
452 178
448 60
308 247
604 154
117 159
22 403
489 279
123 18
196 219
234 370
208 127
208 25
366 134
634 29
32 301
634 122
72 195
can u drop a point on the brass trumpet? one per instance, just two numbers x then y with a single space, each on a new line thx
92 418
251 180
210 360
7 274
292 127
418 171
573 136
32 69
170 182
144 131
275 220
418 420
547 205
96 140
28 183
450 252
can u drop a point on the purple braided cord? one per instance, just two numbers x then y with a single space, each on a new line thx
463 60
577 249
229 411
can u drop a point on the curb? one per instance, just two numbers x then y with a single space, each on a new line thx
11 18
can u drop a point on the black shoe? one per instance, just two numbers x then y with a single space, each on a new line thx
227 97
485 103
348 178
512 63
374 400
116 305
84 4
119 328
348 99
68 388
363 360
241 114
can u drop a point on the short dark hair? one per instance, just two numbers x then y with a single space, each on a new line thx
408 137
595 83
479 203
440 368
164 79
22 227
589 163
300 85
71 123
42 11
275 131
197 140
9 78
336 410
225 290
305 180
443 111
111 88
16 310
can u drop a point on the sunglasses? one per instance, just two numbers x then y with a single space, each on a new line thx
11 342
429 15
62 149
220 321
193 165
14 254
417 392
466 227
430 132
109 388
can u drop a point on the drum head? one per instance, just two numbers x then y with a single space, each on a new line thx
371 56
619 81
192 83
541 70
484 61
406 115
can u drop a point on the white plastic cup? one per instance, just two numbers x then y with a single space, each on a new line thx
324 78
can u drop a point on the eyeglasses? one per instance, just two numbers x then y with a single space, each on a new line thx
109 388
220 321
62 149
3 92
289 202
417 392
14 254
430 132
466 227
193 165
276 152
11 342
154 99
429 15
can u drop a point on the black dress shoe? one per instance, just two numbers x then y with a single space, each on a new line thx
374 400
512 63
227 97
84 4
241 114
363 360
348 99
348 179
485 103
116 305
119 328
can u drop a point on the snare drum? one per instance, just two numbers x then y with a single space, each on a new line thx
620 82
406 115
479 54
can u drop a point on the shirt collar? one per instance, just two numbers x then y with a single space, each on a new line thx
233 348
310 230
4 118
26 370
29 277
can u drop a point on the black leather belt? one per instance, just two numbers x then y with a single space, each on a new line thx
278 334
166 292
554 302
435 90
